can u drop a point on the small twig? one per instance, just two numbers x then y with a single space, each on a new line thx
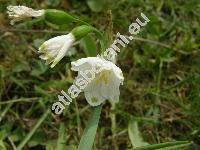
12 143
19 100
113 125
163 45
120 133
81 111
159 82
113 104
152 42
78 118
33 31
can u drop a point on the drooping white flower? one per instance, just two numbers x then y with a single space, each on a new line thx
56 48
105 79
53 50
18 13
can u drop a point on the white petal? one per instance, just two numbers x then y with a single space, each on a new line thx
44 57
113 88
55 48
68 43
98 91
105 85
56 40
117 71
86 63
93 94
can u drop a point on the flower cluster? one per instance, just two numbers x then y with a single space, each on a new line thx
98 77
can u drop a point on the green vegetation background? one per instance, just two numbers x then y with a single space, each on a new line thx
161 69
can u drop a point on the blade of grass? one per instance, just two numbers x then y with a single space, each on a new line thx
19 100
30 134
135 135
89 133
5 111
62 138
177 147
162 145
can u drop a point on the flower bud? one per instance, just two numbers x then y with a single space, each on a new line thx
58 17
18 13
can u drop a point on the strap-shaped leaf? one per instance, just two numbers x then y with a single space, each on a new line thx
89 133
134 134
61 142
165 146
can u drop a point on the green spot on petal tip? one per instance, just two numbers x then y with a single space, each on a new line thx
94 100
54 63
41 48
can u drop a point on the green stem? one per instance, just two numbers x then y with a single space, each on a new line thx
30 134
98 34
89 133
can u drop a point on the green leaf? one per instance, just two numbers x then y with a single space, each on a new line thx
134 134
19 82
33 130
89 46
177 147
39 69
2 146
53 3
19 67
37 139
50 145
89 133
61 143
96 5
165 146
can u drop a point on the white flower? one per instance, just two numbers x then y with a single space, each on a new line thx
105 84
18 13
55 49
